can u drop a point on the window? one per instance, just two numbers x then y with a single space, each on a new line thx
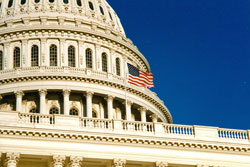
37 1
79 2
54 110
10 3
34 110
1 60
23 2
118 68
104 62
34 55
65 1
51 1
91 6
71 56
53 55
101 10
88 58
73 111
110 16
16 57
0 4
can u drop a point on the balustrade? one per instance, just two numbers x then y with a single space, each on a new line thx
138 126
96 123
29 118
178 129
233 134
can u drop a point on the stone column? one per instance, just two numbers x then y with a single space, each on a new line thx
75 161
128 110
143 114
89 96
19 97
12 159
109 99
154 118
43 93
161 164
58 161
1 97
119 163
66 94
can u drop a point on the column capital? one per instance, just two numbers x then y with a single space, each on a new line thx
43 92
89 94
66 92
199 165
109 97
58 160
129 102
161 164
119 163
75 161
12 159
19 93
142 109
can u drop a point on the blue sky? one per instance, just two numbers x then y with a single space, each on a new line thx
199 53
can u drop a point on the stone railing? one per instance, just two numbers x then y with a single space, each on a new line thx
159 129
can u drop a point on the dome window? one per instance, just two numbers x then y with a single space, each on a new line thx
51 1
71 56
73 111
104 62
88 58
91 6
54 110
16 57
65 1
118 66
79 2
23 2
1 60
34 56
110 16
37 1
101 10
53 55
0 4
10 3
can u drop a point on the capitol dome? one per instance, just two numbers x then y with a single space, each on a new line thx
69 58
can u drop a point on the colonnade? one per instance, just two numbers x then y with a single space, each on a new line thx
89 97
13 159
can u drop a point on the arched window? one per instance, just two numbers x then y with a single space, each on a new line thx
10 3
65 1
16 57
1 60
73 111
91 6
54 110
71 56
104 62
118 68
34 110
88 58
34 55
51 1
37 1
110 16
53 55
101 10
79 2
0 4
23 2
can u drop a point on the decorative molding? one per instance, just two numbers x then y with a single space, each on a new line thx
66 92
12 159
75 161
161 164
58 161
119 163
19 93
43 92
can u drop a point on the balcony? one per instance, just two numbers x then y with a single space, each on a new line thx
121 127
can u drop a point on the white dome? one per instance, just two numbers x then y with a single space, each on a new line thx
97 12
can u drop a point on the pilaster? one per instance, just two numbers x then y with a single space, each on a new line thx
24 53
119 163
58 161
75 161
43 61
161 164
12 159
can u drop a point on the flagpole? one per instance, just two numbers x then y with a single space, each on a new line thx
125 85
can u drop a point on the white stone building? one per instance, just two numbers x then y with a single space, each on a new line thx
62 96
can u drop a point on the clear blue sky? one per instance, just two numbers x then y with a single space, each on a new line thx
199 53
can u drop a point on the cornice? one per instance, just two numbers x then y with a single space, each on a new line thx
136 141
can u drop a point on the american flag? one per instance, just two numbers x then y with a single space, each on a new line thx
139 78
